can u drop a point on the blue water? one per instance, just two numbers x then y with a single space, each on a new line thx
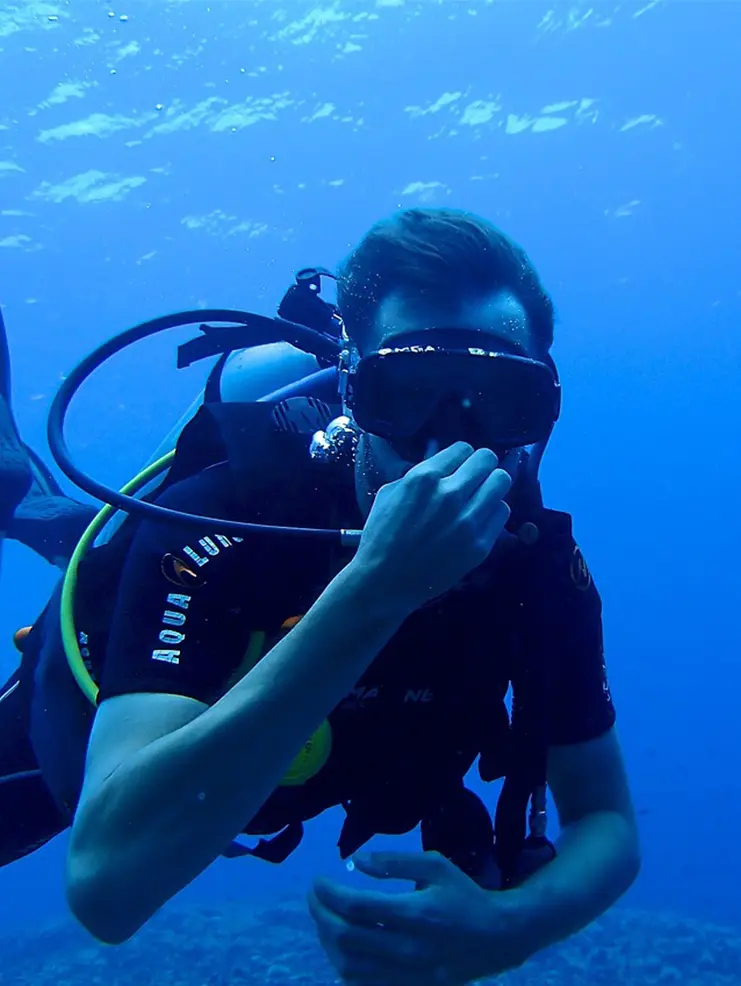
162 156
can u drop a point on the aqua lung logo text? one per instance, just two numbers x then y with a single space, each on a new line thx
189 575
172 632
208 548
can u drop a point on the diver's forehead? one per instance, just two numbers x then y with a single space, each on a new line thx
500 315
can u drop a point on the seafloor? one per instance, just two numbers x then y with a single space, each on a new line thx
236 944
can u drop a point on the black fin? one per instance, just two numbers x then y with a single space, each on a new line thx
33 508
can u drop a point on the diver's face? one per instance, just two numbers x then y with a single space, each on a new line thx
500 316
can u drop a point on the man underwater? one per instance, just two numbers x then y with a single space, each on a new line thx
222 655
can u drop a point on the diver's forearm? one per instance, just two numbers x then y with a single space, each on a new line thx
598 859
171 808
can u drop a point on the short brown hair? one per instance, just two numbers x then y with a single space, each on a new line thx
441 256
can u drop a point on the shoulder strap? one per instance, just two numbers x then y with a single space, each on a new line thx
525 780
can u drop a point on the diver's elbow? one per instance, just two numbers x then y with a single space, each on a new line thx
632 858
96 906
633 866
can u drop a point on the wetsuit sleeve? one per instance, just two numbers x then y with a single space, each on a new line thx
581 706
183 615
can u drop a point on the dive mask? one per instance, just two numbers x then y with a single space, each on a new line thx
414 393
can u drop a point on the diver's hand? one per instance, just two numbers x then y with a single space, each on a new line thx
448 932
429 529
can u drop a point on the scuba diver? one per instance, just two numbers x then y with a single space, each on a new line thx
324 602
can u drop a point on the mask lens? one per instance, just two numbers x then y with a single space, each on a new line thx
496 400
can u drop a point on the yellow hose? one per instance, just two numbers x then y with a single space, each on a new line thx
67 607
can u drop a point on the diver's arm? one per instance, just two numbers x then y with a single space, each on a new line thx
169 782
598 850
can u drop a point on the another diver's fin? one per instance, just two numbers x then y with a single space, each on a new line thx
33 508
4 360
50 524
15 471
